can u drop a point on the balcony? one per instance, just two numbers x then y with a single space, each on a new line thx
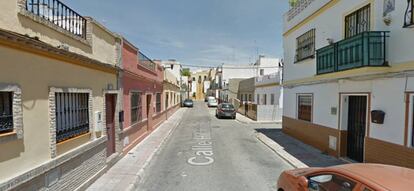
146 62
297 7
59 14
367 49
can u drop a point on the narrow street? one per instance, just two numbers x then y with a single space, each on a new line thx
205 153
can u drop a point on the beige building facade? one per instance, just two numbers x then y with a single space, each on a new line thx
58 82
200 81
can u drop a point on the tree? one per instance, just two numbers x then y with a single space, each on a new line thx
185 72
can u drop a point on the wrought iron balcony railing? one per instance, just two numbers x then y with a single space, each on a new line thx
409 14
297 6
59 14
146 62
362 50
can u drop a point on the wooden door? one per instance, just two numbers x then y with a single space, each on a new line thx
110 102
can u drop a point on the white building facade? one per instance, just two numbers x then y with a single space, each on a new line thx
269 97
348 78
263 66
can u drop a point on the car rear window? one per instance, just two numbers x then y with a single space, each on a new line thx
228 106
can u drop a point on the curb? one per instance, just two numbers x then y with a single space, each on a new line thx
244 122
279 150
139 176
256 122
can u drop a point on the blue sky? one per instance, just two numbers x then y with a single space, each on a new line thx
196 32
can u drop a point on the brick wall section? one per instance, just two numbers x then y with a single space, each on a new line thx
377 151
70 174
311 134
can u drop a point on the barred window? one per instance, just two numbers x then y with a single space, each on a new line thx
305 107
158 102
305 46
6 112
136 107
272 99
265 99
358 21
72 115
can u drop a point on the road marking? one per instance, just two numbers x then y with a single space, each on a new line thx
203 150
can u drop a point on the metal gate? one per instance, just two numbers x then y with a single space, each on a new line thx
357 112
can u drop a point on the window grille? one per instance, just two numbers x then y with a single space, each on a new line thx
409 14
136 107
305 107
158 103
72 115
6 112
305 46
358 21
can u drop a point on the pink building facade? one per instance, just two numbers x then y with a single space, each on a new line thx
142 82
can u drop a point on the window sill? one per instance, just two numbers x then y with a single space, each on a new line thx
73 139
6 137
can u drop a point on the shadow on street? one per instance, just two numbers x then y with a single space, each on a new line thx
305 153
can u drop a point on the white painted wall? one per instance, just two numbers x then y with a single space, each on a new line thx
206 86
330 24
269 112
176 71
268 64
387 94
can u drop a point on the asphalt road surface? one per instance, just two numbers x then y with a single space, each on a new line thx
208 154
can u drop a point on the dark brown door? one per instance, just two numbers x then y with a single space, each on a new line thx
357 116
148 105
149 112
110 101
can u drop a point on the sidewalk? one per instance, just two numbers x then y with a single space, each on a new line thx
295 152
243 119
127 172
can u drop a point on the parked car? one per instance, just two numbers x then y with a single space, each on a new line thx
188 103
225 110
349 177
209 98
212 102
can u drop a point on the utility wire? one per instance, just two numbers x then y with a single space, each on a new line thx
228 67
